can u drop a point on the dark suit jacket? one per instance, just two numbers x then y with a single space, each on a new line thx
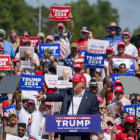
23 58
88 105
62 78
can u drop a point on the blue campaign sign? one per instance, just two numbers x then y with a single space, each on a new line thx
73 123
94 60
54 47
130 64
82 52
10 108
31 82
5 97
131 109
116 76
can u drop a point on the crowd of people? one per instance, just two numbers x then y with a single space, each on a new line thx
28 122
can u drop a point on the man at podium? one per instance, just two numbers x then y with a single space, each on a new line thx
84 102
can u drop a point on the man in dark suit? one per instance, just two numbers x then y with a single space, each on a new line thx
65 76
27 56
86 101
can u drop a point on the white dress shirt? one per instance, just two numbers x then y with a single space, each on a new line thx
76 103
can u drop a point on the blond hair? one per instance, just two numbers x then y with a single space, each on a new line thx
9 37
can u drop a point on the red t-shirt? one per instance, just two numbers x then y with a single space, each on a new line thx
49 90
82 42
122 135
119 128
122 57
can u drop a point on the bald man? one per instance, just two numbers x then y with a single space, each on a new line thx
27 55
65 76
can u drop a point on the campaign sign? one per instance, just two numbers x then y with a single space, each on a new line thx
51 80
10 108
54 47
94 60
4 62
34 41
97 46
73 123
82 52
60 13
31 82
131 109
11 137
5 97
116 76
130 64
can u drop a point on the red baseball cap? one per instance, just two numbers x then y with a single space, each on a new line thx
126 33
31 139
48 103
130 138
77 65
60 25
139 50
78 78
30 101
1 48
138 127
121 43
110 122
80 59
130 119
118 89
118 81
40 72
16 60
109 49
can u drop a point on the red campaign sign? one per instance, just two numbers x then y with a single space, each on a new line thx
60 13
34 41
4 62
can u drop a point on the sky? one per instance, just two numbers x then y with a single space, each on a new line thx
128 10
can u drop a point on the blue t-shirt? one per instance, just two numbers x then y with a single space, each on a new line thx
8 49
113 40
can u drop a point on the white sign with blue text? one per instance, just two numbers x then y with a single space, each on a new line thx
94 60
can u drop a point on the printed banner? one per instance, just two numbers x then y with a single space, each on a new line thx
73 123
116 76
11 137
31 82
5 98
130 64
51 80
97 46
64 74
4 62
34 41
131 109
10 109
60 13
82 52
94 60
54 47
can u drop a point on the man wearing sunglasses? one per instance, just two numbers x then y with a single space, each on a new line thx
8 47
121 55
25 100
22 130
120 127
129 128
27 34
114 36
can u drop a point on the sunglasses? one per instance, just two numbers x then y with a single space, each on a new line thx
30 105
25 101
76 71
49 107
4 118
125 36
1 35
21 130
123 118
101 108
138 101
13 36
84 32
26 44
26 35
111 124
138 119
12 116
112 28
129 123
121 47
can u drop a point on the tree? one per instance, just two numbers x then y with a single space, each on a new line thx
136 31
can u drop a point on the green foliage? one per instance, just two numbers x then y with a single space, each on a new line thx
136 31
16 14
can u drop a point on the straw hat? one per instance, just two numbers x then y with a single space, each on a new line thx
113 24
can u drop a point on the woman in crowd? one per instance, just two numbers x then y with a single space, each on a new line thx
13 38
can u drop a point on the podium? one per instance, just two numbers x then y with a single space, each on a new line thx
73 127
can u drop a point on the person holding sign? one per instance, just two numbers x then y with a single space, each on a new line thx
121 55
81 98
62 38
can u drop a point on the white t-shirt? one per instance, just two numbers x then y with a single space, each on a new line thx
37 116
101 71
129 50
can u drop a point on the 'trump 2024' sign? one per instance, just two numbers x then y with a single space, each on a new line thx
74 123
